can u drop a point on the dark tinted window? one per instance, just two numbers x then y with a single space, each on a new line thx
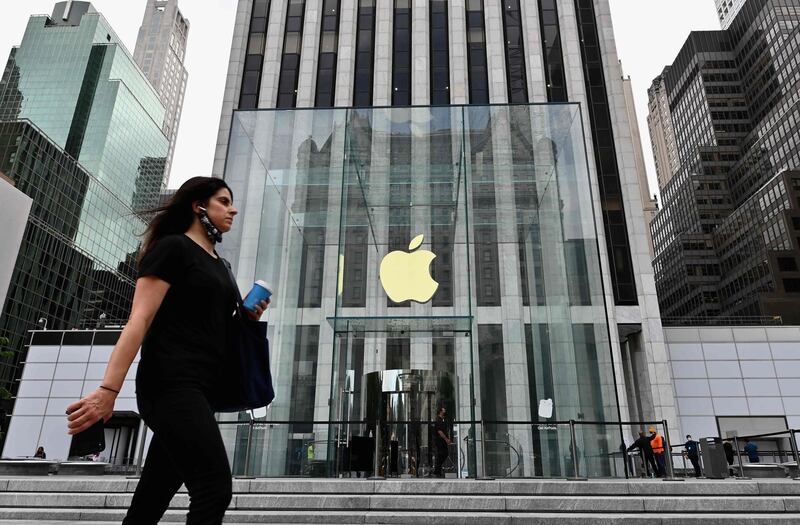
254 60
290 61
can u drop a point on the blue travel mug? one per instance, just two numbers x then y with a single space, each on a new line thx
261 291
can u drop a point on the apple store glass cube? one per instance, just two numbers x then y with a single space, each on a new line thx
423 258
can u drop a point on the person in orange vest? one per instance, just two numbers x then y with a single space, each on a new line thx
657 442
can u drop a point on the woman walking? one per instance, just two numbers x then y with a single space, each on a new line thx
182 307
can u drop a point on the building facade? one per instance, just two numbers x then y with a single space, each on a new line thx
736 379
62 277
496 131
725 235
727 11
160 52
105 113
60 368
650 203
80 134
16 208
662 136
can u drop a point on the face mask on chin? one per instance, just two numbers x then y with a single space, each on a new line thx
213 233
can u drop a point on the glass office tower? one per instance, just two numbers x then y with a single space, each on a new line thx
80 133
77 83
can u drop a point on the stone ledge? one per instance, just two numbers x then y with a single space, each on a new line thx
26 467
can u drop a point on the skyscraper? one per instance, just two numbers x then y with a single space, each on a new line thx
496 134
662 136
105 113
727 11
160 52
726 235
80 134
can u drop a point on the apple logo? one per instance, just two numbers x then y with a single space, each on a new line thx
406 275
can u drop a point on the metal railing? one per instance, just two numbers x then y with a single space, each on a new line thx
473 436
789 434
485 450
744 320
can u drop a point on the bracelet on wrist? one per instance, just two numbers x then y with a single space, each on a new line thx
109 389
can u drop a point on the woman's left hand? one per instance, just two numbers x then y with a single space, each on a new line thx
255 315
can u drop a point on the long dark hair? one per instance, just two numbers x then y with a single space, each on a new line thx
176 216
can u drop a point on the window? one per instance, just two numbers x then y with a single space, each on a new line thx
290 62
791 285
515 52
329 43
401 51
439 53
365 45
254 60
553 58
476 54
619 251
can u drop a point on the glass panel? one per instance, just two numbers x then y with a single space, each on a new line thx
424 258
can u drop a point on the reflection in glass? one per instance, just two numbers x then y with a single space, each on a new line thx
500 195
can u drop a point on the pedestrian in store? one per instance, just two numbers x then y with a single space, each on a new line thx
646 449
442 442
691 450
40 453
659 452
182 306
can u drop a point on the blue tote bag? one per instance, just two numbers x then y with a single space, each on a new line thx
247 382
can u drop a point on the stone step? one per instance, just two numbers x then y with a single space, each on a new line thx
435 503
110 485
103 517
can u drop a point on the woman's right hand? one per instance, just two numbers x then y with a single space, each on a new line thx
89 410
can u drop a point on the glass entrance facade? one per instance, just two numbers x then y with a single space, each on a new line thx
423 257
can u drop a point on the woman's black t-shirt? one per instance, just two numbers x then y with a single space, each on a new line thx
186 343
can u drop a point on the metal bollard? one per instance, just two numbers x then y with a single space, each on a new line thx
376 460
140 459
574 450
668 452
483 454
739 458
683 458
247 449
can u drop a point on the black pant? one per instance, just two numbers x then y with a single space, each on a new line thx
441 456
661 461
186 448
649 459
696 465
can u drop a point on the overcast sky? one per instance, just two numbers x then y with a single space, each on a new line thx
649 34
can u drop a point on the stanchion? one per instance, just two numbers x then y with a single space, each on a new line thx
247 451
574 450
484 477
376 463
793 444
739 458
668 452
140 459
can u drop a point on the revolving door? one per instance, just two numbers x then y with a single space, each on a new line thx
385 417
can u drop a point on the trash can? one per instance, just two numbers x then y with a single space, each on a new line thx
712 455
